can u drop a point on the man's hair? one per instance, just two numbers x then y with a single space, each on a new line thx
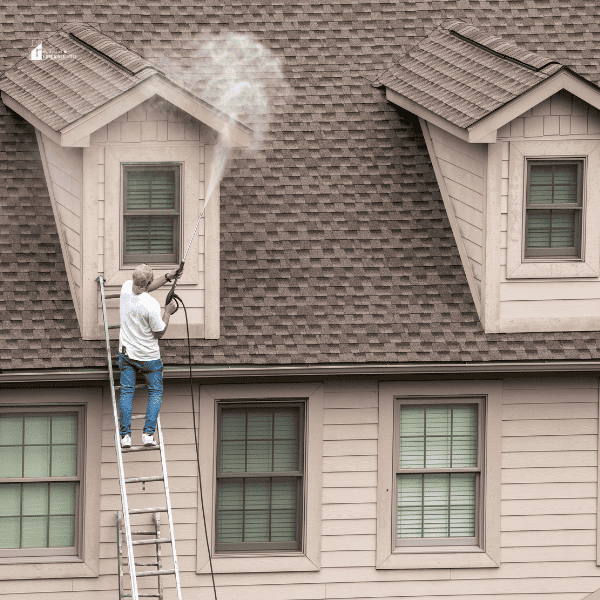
142 275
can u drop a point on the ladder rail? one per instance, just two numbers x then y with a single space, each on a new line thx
132 575
169 512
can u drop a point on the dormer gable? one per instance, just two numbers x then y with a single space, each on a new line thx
499 120
99 110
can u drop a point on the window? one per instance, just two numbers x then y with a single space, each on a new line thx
151 213
50 455
261 458
438 472
260 477
549 221
554 209
40 478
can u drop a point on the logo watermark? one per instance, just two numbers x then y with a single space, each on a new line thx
49 53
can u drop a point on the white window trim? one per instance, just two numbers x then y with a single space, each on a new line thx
189 158
276 561
589 266
439 557
87 563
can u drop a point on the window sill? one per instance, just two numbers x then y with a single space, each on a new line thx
458 557
58 567
263 563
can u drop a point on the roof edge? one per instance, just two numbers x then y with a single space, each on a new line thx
332 370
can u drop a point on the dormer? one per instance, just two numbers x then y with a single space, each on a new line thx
127 152
514 139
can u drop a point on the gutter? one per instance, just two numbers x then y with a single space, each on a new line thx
335 370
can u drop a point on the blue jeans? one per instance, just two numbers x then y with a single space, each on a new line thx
152 370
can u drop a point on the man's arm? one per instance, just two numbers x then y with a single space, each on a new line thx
169 310
161 280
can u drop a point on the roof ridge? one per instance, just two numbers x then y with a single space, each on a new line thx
496 45
111 50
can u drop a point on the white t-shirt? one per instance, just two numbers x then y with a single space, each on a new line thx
140 316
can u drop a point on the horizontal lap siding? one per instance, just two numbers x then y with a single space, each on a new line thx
548 505
65 168
463 167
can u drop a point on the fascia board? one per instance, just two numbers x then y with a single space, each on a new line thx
233 130
31 118
238 133
563 79
426 114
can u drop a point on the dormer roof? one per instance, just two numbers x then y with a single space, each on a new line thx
471 83
65 97
463 74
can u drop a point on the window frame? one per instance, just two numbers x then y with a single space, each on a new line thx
78 479
556 254
86 562
158 261
189 157
517 265
486 553
309 557
221 548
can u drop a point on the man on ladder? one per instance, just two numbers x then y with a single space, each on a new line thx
141 328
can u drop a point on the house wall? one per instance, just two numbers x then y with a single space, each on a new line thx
64 168
560 303
154 123
548 505
463 168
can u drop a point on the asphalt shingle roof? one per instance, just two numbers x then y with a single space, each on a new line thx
462 73
59 92
335 246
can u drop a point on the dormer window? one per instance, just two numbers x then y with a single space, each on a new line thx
151 213
554 209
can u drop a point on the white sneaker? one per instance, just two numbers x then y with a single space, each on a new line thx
148 440
126 441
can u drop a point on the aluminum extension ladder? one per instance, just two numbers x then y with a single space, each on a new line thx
123 481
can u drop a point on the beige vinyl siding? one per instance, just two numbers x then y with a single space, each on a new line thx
548 504
567 303
64 169
463 167
154 123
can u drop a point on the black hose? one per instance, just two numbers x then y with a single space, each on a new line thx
197 448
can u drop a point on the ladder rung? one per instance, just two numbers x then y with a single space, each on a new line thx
138 416
140 511
139 532
111 296
140 448
143 595
160 572
144 479
152 541
140 564
114 326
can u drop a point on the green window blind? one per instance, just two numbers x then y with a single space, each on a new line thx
151 213
430 503
38 514
259 480
554 209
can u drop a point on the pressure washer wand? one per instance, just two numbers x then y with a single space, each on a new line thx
172 295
